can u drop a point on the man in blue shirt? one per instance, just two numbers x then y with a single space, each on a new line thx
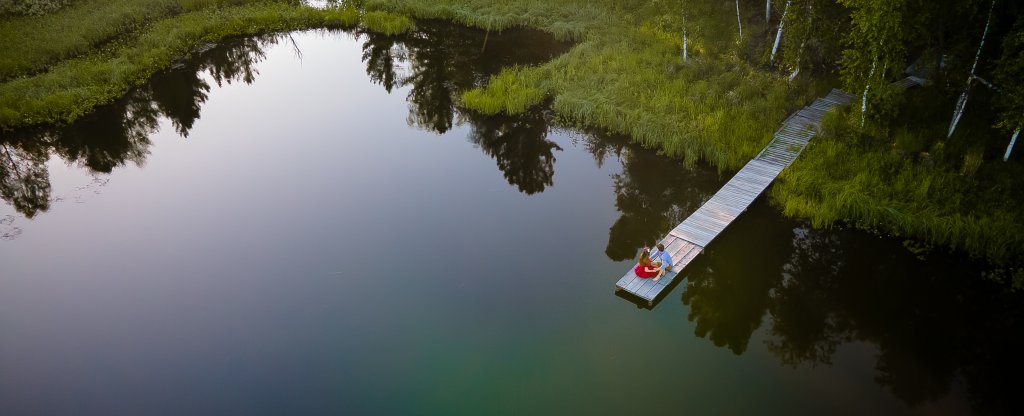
661 255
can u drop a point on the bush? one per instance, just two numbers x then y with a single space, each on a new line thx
31 7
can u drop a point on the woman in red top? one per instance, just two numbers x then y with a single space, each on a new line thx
644 267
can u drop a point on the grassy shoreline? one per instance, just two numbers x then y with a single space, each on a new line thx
626 75
74 87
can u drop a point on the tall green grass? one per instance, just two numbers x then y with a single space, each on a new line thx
512 91
30 43
76 86
388 23
841 180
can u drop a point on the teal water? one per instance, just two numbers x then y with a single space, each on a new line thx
308 224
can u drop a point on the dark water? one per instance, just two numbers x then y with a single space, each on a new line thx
307 224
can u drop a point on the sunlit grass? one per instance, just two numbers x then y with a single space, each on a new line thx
512 91
388 23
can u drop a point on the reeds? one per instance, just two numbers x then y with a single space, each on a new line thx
838 181
513 91
388 23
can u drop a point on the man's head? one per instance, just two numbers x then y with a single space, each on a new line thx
661 247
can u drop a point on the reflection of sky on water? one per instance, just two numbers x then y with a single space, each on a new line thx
212 246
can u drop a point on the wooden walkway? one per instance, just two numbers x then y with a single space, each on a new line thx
688 239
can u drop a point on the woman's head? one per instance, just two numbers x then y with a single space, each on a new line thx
645 257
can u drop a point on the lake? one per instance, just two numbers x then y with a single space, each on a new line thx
307 223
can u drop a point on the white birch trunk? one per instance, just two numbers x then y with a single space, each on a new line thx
864 97
778 35
768 11
739 23
962 103
1009 148
800 52
977 55
799 56
684 45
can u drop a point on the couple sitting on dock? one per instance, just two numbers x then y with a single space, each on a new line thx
653 263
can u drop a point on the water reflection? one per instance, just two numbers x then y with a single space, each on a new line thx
24 179
652 193
117 134
933 322
520 146
441 61
438 62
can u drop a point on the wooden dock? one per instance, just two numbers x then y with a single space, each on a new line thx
688 239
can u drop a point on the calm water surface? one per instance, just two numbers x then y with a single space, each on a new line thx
307 224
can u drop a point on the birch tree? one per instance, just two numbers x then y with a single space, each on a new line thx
739 22
874 44
1009 75
778 35
962 101
685 42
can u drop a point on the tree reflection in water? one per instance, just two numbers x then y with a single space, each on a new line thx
441 62
117 134
520 146
652 193
933 322
24 179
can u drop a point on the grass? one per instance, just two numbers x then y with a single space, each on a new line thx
30 43
75 86
387 23
513 91
840 179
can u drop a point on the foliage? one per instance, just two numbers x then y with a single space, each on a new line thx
31 7
813 34
1010 78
